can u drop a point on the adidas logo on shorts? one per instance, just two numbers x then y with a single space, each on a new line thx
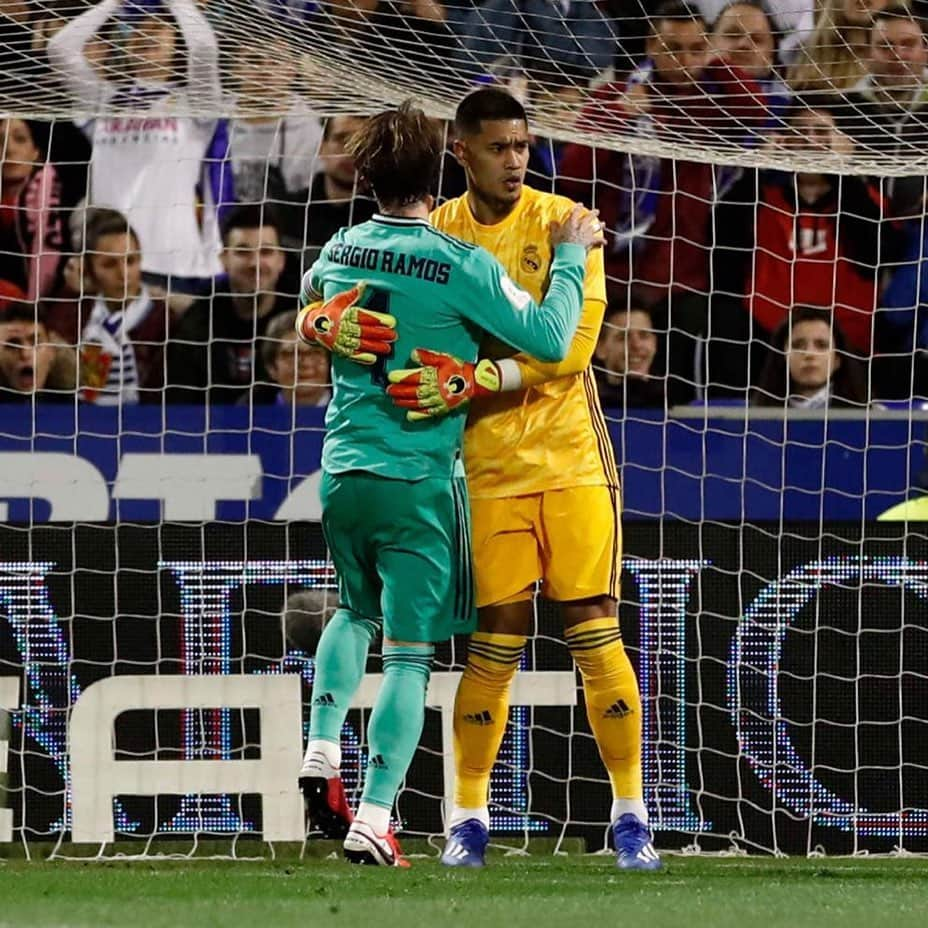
324 699
378 762
480 718
618 710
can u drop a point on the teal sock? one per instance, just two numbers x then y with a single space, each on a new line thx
339 666
396 722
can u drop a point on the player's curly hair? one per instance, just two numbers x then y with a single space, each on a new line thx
397 155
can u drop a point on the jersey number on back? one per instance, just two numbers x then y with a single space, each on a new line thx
379 302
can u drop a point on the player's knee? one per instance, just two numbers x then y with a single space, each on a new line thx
493 659
511 618
577 611
403 658
491 675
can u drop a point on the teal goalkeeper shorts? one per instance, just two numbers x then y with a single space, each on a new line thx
401 550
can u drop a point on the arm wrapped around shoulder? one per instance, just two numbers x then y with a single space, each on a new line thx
347 329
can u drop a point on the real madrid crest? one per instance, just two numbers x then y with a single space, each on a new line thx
531 259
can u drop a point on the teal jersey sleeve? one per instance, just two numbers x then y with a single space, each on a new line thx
494 302
311 286
313 280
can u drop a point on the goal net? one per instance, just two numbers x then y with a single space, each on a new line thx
169 171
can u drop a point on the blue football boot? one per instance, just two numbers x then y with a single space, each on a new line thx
633 847
466 845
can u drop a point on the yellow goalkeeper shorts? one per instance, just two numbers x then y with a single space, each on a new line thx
570 539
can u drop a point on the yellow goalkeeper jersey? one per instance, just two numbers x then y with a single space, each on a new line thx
549 435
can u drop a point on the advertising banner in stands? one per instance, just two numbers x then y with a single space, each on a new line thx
782 666
136 464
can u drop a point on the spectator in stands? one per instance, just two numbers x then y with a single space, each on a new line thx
568 40
149 167
121 328
213 354
889 115
833 57
61 309
332 200
21 68
657 211
743 34
299 372
896 66
415 40
809 366
630 21
625 354
274 156
792 20
807 238
901 368
888 100
124 337
34 365
68 147
101 50
31 225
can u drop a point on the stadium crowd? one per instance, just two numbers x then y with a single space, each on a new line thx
155 257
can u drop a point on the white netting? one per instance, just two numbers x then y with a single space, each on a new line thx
721 81
160 443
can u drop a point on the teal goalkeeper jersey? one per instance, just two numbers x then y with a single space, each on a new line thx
445 294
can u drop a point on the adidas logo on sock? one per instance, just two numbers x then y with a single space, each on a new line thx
480 718
378 762
618 710
324 699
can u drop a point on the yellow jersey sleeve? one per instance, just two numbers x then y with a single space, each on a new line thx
578 359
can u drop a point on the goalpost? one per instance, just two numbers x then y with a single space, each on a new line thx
155 641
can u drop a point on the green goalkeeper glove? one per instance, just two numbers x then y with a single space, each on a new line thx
346 329
441 384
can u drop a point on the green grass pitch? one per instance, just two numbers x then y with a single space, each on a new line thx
513 892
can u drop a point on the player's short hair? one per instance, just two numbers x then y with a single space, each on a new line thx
486 105
397 155
251 216
675 10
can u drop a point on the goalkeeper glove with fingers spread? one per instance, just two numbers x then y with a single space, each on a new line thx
441 384
347 329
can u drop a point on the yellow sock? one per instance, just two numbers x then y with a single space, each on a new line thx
613 704
481 710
